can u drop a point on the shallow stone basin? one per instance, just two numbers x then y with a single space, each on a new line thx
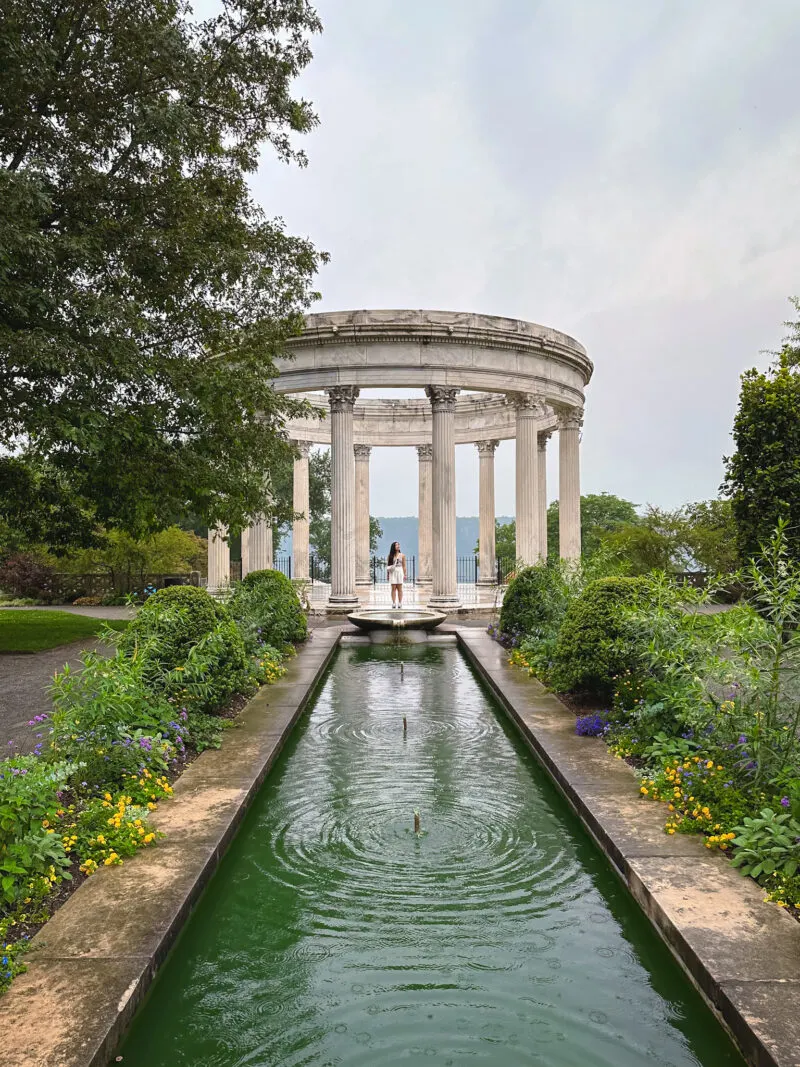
396 619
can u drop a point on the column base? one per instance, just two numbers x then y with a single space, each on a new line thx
218 590
342 605
445 603
487 583
362 583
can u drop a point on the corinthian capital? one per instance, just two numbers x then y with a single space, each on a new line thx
362 452
528 405
543 438
570 418
442 397
425 453
486 448
342 397
303 448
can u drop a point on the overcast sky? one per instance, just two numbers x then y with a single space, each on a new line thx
627 171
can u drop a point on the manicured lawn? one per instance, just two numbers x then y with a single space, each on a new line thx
32 631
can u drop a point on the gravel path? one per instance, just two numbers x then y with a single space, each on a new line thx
23 690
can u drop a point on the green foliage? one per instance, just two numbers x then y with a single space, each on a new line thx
109 718
592 647
505 540
128 561
28 803
143 292
268 610
762 477
535 602
599 512
216 667
711 536
767 843
170 622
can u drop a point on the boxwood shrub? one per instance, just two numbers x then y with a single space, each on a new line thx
534 604
171 622
268 610
591 649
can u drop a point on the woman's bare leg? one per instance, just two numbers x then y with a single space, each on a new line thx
400 595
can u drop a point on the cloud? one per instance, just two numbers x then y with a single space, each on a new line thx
625 172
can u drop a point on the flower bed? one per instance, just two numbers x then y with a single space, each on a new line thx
706 708
122 729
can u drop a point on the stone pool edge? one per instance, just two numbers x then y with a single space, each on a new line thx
741 953
91 965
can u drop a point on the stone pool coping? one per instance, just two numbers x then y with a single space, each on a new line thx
742 954
90 966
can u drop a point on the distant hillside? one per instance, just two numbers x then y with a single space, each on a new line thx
404 528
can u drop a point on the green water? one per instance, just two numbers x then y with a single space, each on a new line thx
332 934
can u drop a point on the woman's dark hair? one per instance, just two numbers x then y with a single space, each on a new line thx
393 553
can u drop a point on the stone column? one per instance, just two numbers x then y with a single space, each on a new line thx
569 482
487 562
219 560
445 588
300 506
424 562
343 500
529 411
541 490
257 546
362 453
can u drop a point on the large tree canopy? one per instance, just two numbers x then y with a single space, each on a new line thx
763 475
143 293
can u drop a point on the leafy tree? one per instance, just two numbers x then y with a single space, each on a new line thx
143 293
505 540
128 562
711 536
37 507
599 512
319 494
762 477
655 541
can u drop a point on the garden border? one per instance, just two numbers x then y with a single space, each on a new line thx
742 953
92 963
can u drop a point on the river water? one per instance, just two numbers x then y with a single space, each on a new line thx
498 935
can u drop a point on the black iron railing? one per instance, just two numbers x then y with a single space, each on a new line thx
377 570
318 569
284 565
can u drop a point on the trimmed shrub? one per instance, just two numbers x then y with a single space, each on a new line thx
534 604
266 606
171 622
592 648
216 667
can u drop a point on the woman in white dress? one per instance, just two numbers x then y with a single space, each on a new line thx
396 573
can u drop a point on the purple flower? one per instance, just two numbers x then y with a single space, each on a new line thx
593 725
785 802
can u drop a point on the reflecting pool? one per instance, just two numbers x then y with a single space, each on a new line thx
498 935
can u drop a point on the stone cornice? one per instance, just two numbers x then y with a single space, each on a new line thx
441 327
